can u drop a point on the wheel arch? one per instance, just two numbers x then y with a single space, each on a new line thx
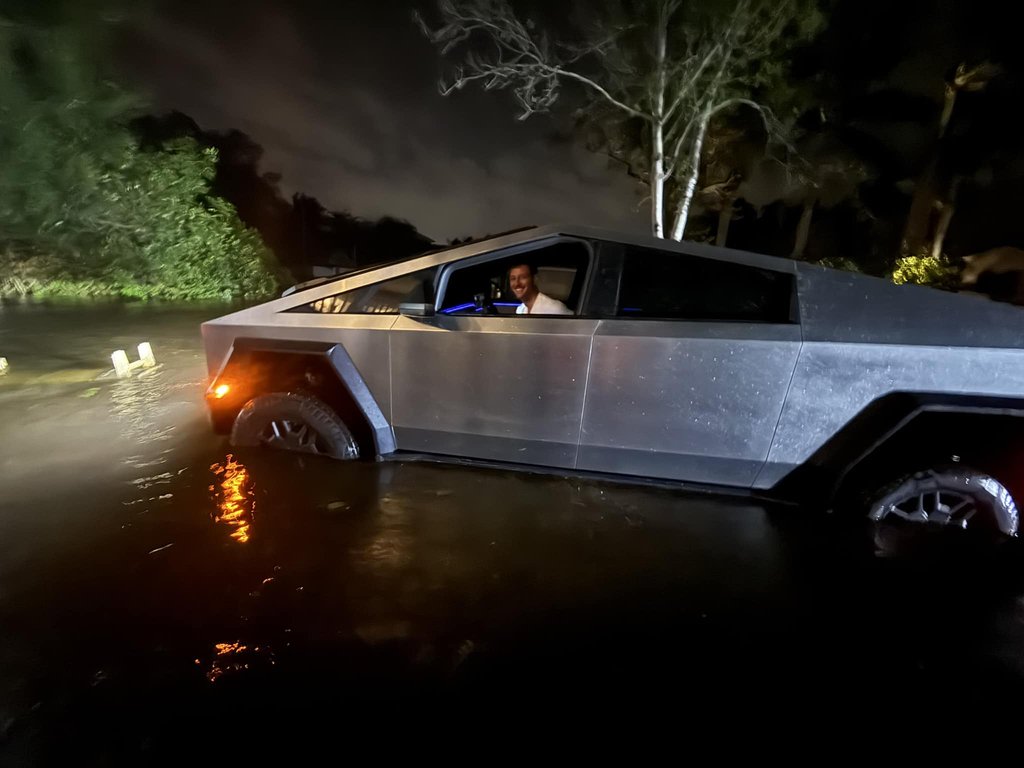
323 370
901 426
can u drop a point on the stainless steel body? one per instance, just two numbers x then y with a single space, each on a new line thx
835 382
364 337
732 403
686 401
496 388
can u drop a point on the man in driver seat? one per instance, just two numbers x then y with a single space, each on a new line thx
521 281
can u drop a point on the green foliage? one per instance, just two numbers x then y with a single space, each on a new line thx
924 269
84 211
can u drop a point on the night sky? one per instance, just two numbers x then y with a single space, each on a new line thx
343 98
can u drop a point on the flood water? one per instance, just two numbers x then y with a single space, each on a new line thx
159 591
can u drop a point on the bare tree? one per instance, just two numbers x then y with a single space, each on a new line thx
669 65
828 174
933 203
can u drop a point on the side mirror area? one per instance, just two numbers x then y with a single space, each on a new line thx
416 309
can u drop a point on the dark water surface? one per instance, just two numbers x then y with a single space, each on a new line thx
159 592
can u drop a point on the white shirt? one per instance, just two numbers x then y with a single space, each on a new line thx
544 305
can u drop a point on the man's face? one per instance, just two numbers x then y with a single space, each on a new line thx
521 282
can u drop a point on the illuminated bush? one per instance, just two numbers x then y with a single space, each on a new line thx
925 269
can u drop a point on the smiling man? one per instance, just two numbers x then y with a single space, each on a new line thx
521 279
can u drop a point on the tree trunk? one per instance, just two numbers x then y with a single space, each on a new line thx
679 228
948 208
803 229
657 180
945 216
658 131
724 219
926 195
919 219
947 110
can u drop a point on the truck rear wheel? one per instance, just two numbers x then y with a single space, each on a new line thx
949 501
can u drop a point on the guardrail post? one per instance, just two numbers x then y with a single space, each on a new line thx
121 364
146 355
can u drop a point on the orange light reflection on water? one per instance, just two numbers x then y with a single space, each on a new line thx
233 657
236 504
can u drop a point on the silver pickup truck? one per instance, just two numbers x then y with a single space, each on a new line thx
671 362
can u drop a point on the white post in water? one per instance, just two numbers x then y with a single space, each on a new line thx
121 364
4 366
146 355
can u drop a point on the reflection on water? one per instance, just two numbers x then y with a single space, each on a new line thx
234 657
135 403
390 547
235 498
224 649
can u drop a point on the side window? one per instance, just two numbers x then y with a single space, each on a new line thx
380 298
656 284
483 287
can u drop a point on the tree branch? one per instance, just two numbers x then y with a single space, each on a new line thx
688 87
519 61
611 99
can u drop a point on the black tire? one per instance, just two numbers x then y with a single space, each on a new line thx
293 422
950 504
